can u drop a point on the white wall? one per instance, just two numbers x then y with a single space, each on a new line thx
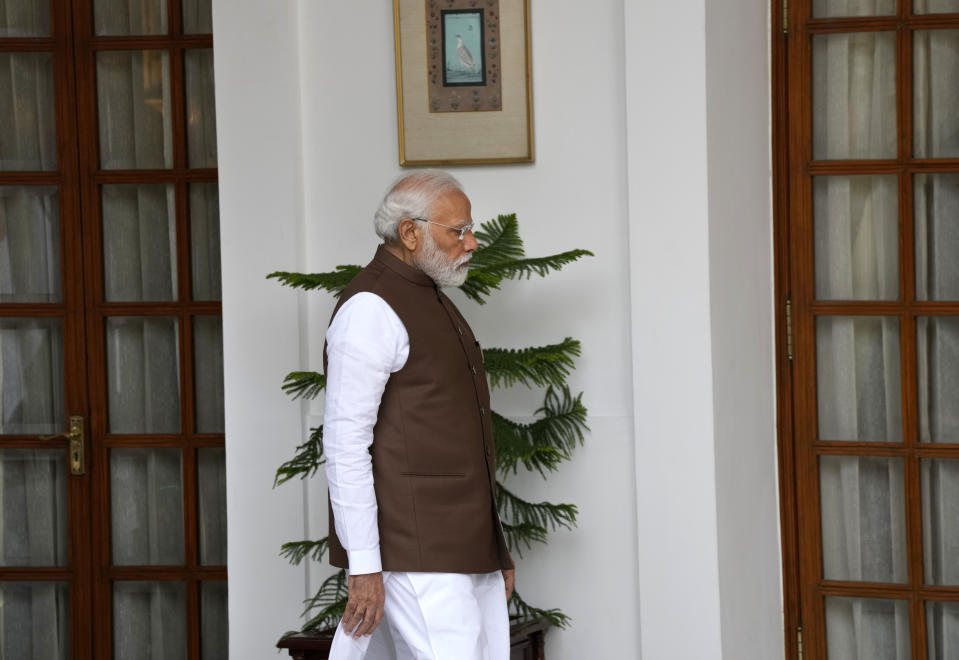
257 101
624 164
741 294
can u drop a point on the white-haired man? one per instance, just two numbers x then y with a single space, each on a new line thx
409 446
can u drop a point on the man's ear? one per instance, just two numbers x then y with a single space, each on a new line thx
407 233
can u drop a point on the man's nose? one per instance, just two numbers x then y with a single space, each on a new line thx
469 242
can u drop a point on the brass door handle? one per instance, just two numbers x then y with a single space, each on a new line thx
77 445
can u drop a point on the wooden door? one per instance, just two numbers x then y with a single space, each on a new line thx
869 233
110 320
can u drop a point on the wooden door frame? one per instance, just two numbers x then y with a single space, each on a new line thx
786 451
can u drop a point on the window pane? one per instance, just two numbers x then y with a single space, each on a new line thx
139 242
143 374
830 8
211 497
857 378
854 95
200 107
856 237
28 138
146 507
936 208
936 93
863 518
29 244
937 357
31 381
214 624
936 6
940 520
205 240
122 17
873 628
34 507
24 18
208 373
133 92
942 630
34 618
197 17
149 620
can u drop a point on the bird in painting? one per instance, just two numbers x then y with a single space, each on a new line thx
466 58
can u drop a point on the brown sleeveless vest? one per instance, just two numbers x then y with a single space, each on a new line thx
434 467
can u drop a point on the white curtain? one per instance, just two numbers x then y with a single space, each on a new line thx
828 8
27 129
139 242
34 621
867 629
124 17
149 620
133 105
23 18
29 244
146 507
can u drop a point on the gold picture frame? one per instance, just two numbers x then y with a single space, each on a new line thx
486 129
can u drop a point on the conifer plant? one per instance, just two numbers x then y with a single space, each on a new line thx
541 446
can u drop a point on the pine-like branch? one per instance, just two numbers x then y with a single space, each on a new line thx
523 534
499 241
306 384
545 443
330 599
306 461
296 551
546 515
484 279
523 612
333 281
537 365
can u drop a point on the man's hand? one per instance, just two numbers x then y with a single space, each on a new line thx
509 577
364 605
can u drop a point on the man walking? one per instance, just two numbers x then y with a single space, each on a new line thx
409 445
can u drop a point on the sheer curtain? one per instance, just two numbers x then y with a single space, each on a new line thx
856 242
936 208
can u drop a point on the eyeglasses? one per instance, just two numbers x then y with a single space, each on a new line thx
459 230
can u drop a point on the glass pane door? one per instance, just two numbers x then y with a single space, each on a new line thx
155 342
43 579
112 489
874 284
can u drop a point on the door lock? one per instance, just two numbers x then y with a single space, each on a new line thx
75 435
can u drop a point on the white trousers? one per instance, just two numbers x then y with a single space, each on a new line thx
435 616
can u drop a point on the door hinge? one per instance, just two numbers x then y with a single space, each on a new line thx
800 644
789 329
785 16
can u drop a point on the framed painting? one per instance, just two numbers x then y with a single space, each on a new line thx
463 82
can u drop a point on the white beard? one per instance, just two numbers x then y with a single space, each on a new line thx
432 261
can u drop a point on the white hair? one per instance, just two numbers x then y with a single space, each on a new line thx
411 196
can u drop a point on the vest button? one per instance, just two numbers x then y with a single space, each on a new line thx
482 411
474 369
488 452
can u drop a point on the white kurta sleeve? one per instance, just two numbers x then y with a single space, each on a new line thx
365 343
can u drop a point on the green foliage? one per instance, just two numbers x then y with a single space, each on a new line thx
535 519
522 612
334 281
306 384
308 458
545 443
296 551
539 446
537 365
329 603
